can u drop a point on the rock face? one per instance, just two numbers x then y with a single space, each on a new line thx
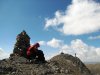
62 64
71 65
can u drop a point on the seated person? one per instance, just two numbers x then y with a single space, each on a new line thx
34 53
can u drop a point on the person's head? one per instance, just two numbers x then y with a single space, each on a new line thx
37 45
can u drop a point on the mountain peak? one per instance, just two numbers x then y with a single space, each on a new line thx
62 64
19 64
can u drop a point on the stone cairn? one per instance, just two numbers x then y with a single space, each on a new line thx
22 43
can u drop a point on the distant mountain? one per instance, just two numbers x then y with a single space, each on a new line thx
92 62
94 68
62 64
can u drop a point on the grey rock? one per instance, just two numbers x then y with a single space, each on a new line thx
63 64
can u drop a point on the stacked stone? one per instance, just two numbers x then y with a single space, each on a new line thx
22 43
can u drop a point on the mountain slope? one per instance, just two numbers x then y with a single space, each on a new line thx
62 64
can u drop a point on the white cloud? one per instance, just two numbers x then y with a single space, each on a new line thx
55 43
3 54
81 17
83 51
42 42
94 37
66 49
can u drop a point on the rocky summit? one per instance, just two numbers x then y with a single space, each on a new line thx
19 64
62 64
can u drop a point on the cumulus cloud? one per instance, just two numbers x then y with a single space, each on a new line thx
3 54
55 43
94 37
83 50
80 17
42 42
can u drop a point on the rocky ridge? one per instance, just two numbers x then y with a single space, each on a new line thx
62 64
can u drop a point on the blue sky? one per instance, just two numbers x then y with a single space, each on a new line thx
17 15
37 18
